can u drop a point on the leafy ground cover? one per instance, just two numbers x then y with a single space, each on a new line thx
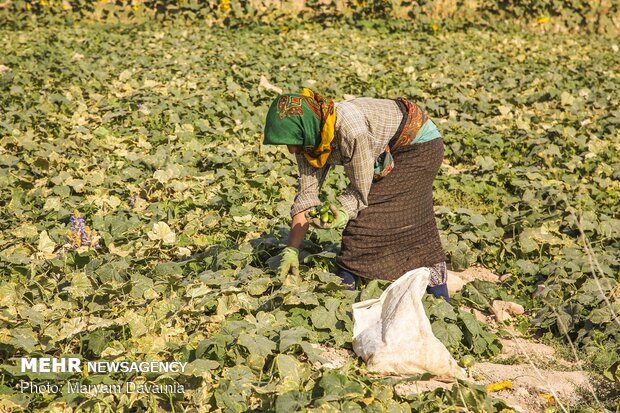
152 134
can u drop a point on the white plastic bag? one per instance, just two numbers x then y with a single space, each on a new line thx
393 335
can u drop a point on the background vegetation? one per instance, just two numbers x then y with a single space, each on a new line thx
592 16
151 131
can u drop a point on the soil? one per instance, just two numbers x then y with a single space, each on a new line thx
537 373
475 273
335 357
530 373
529 382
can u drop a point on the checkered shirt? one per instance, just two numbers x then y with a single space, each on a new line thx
364 126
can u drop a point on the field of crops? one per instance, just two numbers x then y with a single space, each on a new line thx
151 134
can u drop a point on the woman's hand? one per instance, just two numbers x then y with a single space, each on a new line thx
340 218
289 261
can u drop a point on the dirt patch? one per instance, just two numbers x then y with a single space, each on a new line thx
475 273
416 387
531 390
536 372
525 349
529 382
458 279
335 357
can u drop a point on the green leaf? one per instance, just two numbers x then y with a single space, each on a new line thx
292 372
337 386
258 345
601 315
162 232
46 246
291 401
23 338
200 367
292 336
322 318
449 334
98 341
526 240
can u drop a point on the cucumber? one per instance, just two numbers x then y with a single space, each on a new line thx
324 217
468 361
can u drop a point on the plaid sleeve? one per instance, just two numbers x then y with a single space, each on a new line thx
309 185
360 171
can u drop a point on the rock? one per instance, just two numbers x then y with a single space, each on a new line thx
505 277
539 290
455 283
500 314
505 310
264 83
480 316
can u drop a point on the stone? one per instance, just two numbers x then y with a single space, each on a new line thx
455 283
505 310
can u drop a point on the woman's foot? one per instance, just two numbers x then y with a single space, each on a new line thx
348 279
439 291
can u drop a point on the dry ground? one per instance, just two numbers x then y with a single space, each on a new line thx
539 376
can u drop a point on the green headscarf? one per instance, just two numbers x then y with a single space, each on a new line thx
292 121
302 119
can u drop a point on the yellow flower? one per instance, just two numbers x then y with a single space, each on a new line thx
543 20
225 5
502 385
136 7
550 399
435 27
28 6
43 2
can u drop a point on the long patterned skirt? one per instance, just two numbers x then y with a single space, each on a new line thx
397 232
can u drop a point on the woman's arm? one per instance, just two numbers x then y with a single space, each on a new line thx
309 185
299 228
310 182
360 170
356 151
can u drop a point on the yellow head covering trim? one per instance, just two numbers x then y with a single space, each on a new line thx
317 157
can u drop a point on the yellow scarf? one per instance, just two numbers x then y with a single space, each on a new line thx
318 157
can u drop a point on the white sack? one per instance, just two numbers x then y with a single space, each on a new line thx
393 335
